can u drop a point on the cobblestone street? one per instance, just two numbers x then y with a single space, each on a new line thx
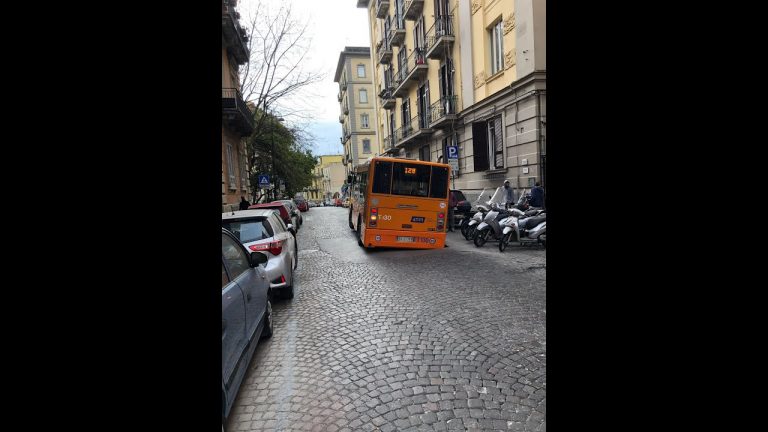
386 340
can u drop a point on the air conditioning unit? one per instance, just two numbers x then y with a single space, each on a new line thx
524 162
525 170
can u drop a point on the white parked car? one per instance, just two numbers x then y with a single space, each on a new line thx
264 231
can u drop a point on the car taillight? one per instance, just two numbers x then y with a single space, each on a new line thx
275 248
374 217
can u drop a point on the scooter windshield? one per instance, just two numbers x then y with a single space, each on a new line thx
498 196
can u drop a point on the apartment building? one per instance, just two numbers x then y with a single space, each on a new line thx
237 120
328 177
357 100
466 73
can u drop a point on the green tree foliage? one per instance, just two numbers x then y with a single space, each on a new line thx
292 162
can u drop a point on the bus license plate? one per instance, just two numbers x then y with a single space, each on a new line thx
406 239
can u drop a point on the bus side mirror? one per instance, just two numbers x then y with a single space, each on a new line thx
350 178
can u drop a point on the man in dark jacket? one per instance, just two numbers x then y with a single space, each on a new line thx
244 204
537 196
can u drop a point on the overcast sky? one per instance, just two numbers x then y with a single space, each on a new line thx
333 24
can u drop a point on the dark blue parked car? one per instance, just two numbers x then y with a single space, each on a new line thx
246 313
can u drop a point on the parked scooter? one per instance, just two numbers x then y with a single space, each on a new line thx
483 204
525 228
491 228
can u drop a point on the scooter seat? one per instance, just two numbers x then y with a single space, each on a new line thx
532 222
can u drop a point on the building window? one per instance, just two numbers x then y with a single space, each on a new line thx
488 144
497 47
424 153
366 146
364 121
363 96
360 71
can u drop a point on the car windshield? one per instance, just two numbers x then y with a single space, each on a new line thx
249 230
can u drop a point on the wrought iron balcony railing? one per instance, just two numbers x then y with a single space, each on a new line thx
396 30
416 127
414 68
235 112
233 35
442 112
384 50
382 7
440 37
413 9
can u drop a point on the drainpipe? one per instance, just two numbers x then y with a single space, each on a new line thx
538 132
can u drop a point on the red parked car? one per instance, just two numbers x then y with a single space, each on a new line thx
302 204
279 206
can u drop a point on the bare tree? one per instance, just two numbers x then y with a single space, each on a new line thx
276 69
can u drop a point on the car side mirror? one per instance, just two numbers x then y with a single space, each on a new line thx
258 258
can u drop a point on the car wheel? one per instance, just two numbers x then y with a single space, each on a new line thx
504 241
359 233
295 254
481 237
268 321
288 291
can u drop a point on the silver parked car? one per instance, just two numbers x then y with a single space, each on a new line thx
264 231
246 313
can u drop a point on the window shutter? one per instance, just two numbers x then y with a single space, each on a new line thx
499 143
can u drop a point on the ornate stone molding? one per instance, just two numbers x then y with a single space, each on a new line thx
480 79
475 6
510 58
509 24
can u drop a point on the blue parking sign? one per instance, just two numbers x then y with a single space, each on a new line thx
453 152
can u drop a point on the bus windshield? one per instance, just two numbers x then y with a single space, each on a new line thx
408 179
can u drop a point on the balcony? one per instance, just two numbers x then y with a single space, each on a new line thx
233 35
341 119
235 112
413 9
345 107
440 37
416 128
443 112
388 145
384 51
382 8
396 32
413 69
338 97
387 98
343 84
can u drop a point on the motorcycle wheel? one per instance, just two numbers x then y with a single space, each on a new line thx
481 237
504 242
464 227
471 232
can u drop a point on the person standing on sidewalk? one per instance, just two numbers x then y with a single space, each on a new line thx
537 196
509 195
244 204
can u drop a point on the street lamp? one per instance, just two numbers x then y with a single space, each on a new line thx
274 177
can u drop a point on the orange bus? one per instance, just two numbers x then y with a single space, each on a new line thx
399 203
